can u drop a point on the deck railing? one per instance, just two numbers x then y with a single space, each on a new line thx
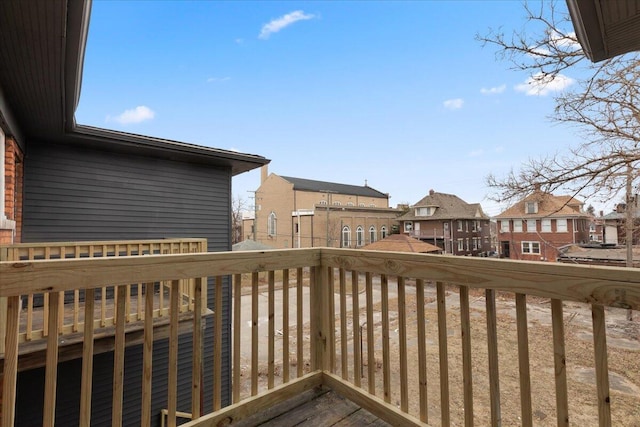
35 307
413 338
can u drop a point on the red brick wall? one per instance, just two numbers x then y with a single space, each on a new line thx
13 182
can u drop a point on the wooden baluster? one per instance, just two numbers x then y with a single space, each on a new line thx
602 369
87 359
422 352
331 320
254 333
10 373
299 322
217 346
285 326
174 309
147 355
443 353
344 350
467 366
272 330
402 326
237 335
196 365
357 339
492 342
386 363
523 360
51 367
118 359
562 401
371 357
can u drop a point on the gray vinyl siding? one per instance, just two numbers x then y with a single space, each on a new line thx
74 193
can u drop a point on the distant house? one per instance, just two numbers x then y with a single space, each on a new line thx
614 225
60 181
299 213
538 225
447 221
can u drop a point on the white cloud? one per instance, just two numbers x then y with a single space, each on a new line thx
453 104
493 90
239 41
217 79
540 85
499 149
139 114
284 21
476 153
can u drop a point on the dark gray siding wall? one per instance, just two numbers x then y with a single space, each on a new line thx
72 193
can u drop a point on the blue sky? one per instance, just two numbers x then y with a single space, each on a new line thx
399 94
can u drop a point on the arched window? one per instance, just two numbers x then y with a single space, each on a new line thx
359 236
346 237
383 232
337 203
372 234
272 224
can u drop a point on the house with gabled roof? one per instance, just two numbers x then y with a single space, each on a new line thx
538 225
447 221
301 213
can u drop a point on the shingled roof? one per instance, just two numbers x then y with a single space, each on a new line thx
448 206
302 184
548 206
402 243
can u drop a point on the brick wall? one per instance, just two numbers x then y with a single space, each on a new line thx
13 183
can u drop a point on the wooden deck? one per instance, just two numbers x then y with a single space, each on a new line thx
319 407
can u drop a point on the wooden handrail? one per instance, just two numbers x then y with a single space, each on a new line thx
332 323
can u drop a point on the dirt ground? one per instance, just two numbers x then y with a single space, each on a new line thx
623 342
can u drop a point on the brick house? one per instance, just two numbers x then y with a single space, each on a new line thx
11 181
457 227
302 213
538 225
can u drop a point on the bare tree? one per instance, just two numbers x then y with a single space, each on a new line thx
603 104
238 207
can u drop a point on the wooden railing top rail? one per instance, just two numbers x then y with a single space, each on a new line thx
609 286
91 248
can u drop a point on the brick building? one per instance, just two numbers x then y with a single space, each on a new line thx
447 221
541 223
297 212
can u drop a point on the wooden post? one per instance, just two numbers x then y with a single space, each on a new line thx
320 318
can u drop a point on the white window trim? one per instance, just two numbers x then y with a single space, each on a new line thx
535 225
517 226
272 224
383 232
372 234
359 236
529 245
545 225
504 226
346 231
408 226
565 229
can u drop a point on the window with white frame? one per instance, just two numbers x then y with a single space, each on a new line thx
460 245
383 232
346 236
531 248
359 236
425 211
545 225
361 205
475 243
531 207
372 234
408 226
517 226
272 224
372 205
349 203
561 225
322 202
531 226
504 226
337 204
459 225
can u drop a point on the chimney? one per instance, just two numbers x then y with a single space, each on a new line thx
431 192
264 173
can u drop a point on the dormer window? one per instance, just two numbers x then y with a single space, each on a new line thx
425 211
531 207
